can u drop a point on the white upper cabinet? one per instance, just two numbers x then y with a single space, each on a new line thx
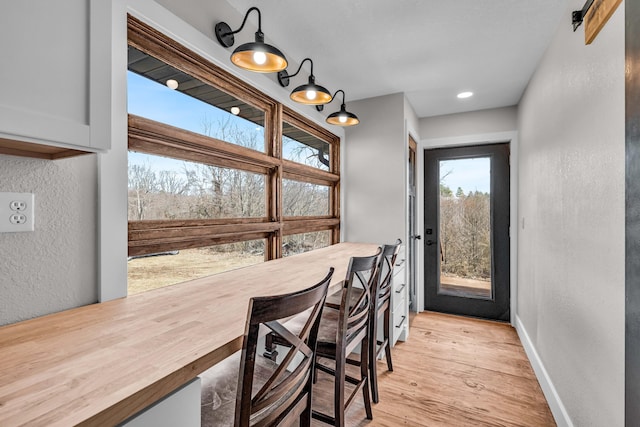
55 76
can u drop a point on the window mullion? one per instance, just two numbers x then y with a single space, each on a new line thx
274 192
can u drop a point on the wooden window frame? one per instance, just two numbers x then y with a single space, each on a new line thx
151 137
304 173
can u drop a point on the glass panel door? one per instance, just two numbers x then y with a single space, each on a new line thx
466 231
465 227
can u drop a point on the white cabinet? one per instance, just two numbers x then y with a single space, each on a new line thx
399 300
55 75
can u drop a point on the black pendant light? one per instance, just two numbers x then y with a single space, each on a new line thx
342 117
309 93
256 56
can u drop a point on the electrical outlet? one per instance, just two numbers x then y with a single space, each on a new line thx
18 205
18 219
16 212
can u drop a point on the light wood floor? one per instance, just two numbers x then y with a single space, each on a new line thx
453 371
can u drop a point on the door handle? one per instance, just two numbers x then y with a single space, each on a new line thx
430 242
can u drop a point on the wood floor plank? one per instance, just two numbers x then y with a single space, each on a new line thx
453 371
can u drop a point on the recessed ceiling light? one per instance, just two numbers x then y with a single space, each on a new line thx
172 84
463 95
235 110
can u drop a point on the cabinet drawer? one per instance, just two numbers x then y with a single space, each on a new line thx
399 285
399 266
399 313
399 277
399 319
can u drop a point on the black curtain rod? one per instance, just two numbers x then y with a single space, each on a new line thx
578 15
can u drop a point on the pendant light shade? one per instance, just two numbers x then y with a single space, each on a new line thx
255 56
342 117
310 93
259 57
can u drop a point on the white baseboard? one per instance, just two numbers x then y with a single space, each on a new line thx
553 399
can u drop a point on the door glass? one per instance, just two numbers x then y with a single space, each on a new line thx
465 228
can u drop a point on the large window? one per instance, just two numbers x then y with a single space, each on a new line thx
305 199
166 188
220 175
190 104
168 268
303 147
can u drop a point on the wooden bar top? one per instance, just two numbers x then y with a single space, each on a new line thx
102 363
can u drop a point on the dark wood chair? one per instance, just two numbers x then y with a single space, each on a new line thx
261 392
344 330
380 308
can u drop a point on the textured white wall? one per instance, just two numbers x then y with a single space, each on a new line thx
54 267
373 178
472 123
571 206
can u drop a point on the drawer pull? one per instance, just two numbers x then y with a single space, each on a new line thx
401 288
401 322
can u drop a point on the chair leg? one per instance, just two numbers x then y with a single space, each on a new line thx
305 416
314 372
373 371
364 374
339 393
387 338
270 351
373 375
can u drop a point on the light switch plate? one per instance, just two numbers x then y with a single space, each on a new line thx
16 212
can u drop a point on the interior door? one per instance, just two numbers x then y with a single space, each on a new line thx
466 231
413 237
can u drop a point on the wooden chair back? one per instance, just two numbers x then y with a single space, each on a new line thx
355 307
286 394
388 256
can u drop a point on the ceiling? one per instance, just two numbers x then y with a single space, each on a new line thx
428 49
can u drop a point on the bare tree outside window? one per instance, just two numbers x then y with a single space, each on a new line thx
465 227
465 234
304 242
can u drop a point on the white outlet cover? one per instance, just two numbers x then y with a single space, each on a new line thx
8 202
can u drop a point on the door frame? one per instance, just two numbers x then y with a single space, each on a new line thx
495 306
462 141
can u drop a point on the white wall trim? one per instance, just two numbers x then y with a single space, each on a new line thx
460 141
558 410
473 139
